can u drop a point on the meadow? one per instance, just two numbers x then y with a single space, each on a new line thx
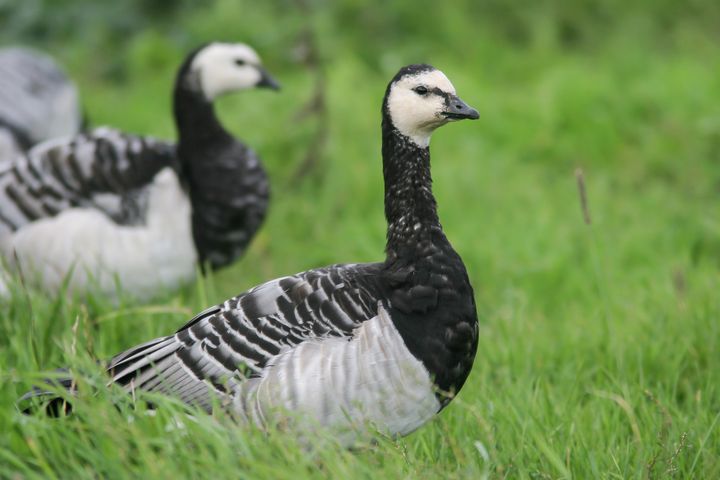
599 323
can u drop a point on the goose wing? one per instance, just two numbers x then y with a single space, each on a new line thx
225 345
104 169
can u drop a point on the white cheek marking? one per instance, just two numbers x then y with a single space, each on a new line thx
218 72
414 116
417 116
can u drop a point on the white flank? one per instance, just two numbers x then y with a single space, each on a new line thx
145 259
347 386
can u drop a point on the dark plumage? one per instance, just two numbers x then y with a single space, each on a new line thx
388 343
202 200
430 297
228 187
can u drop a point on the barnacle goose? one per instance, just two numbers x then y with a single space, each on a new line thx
105 207
341 347
37 101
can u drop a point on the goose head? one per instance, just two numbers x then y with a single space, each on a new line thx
220 68
419 99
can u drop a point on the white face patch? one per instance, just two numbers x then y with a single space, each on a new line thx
417 116
226 67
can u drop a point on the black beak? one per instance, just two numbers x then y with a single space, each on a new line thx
456 109
267 81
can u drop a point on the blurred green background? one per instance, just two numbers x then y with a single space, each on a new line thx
599 342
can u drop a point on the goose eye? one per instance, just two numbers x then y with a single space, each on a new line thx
420 90
239 62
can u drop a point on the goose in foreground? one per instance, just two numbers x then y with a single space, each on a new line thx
37 101
105 207
387 344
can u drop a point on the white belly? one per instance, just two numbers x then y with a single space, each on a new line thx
345 385
95 253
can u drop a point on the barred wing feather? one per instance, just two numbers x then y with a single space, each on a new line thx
221 348
105 169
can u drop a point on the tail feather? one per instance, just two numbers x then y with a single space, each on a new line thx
48 400
128 366
129 369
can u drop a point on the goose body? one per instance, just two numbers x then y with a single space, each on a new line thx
386 344
37 101
104 208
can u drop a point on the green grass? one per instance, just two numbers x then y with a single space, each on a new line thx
599 344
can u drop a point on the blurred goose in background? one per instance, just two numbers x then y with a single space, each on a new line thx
106 207
38 101
388 344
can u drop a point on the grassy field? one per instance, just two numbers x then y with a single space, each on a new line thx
600 340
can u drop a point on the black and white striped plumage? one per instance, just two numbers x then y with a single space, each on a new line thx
37 101
105 206
386 343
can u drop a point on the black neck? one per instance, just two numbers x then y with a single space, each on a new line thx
227 185
410 207
195 117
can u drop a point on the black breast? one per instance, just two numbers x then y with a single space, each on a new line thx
229 192
433 307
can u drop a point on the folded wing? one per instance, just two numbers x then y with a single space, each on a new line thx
225 346
105 169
